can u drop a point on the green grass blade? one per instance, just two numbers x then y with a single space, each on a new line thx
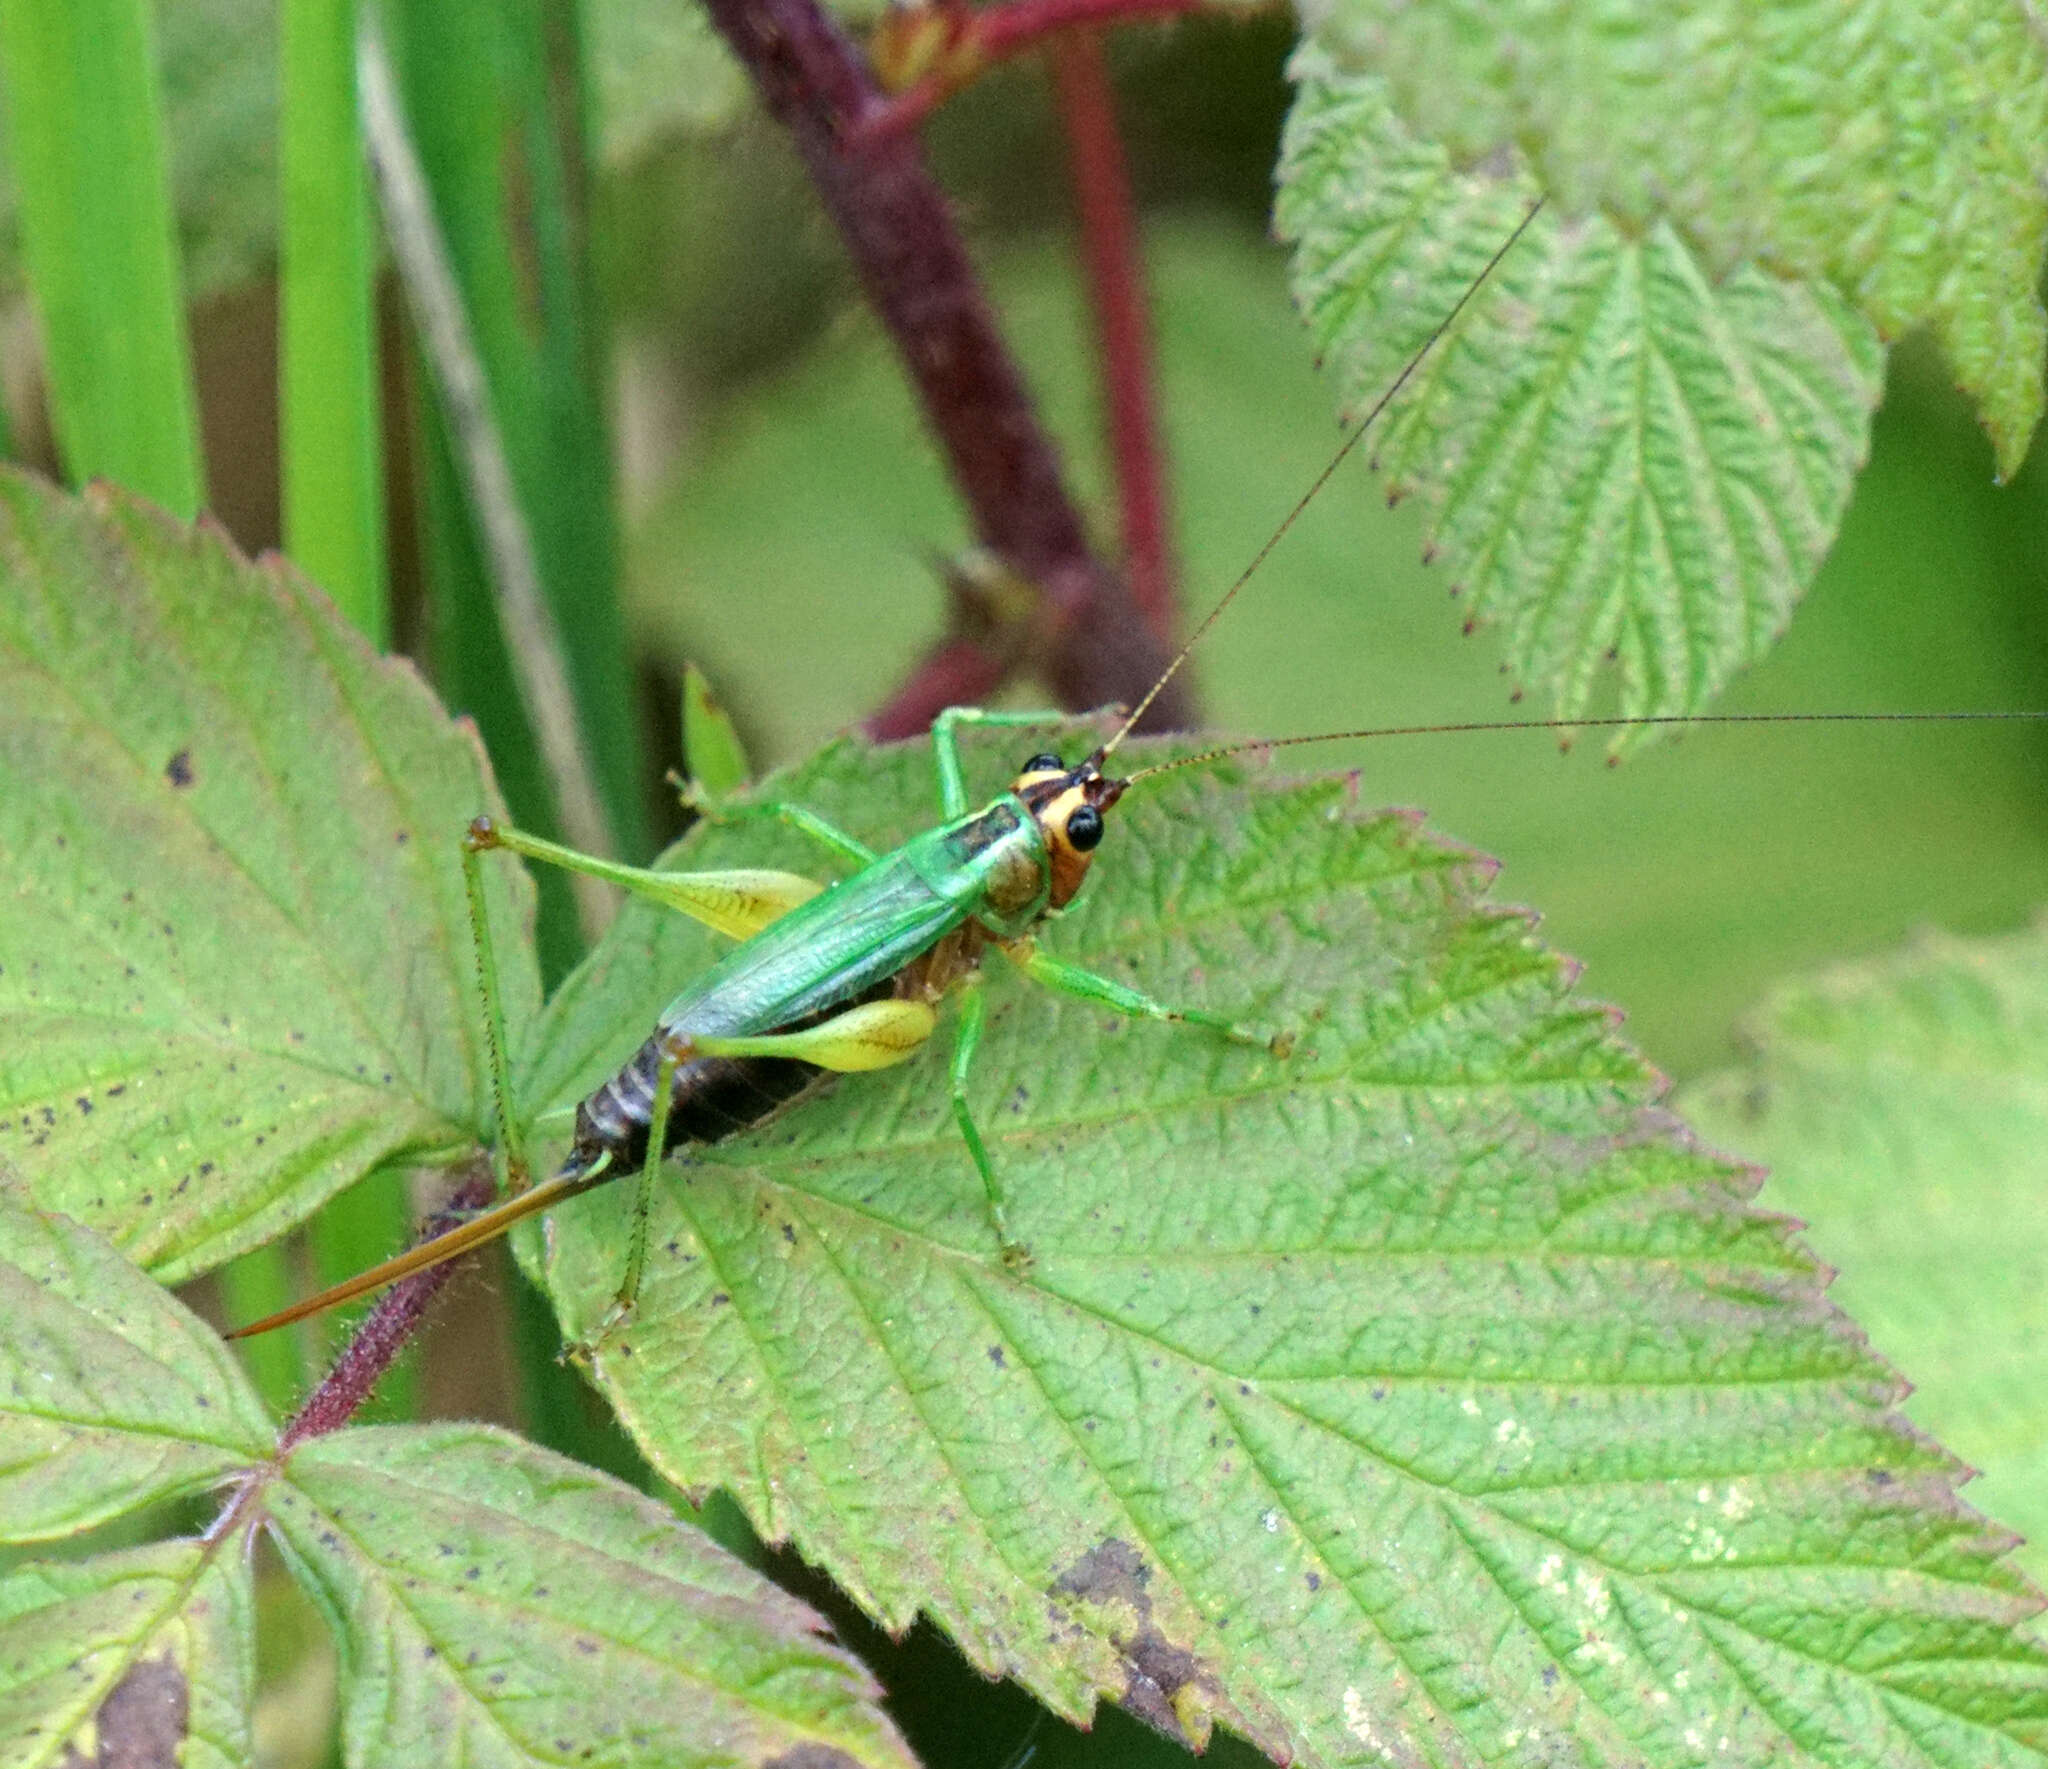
260 1283
484 101
329 422
97 236
440 312
331 454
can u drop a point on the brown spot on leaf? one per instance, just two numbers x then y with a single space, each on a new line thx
178 770
1114 1574
1159 1671
141 1724
1111 1572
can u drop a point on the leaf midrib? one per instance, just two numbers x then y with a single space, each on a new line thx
129 1655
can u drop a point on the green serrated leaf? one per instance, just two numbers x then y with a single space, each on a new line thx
1425 1397
1621 460
502 1605
235 967
1892 149
111 1394
1902 1105
140 1658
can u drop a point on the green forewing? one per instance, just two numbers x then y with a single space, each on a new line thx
821 953
235 963
1425 1397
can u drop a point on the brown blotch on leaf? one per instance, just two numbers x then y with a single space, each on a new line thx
1114 1574
812 1756
1110 1572
178 770
142 1723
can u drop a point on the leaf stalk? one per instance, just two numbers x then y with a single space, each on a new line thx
1091 645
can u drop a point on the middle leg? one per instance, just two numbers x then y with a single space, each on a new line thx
1087 985
966 1040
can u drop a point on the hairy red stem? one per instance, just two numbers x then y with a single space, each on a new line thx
1115 265
387 1329
1090 644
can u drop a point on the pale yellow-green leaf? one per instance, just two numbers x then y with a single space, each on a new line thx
1424 1396
1902 1106
141 1659
500 1605
236 971
111 1394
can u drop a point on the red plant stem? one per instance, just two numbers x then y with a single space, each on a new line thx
387 1329
998 32
1004 30
1092 647
1123 335
955 672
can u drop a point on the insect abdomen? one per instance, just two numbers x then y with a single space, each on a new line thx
713 1098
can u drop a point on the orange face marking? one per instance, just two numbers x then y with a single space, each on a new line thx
1069 864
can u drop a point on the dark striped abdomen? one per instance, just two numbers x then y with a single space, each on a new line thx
714 1097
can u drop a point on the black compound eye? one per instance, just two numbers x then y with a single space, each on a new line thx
1045 762
1084 828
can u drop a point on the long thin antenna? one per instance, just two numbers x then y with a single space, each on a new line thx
1323 478
1465 727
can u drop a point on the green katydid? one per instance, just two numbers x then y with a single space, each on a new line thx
905 930
850 977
